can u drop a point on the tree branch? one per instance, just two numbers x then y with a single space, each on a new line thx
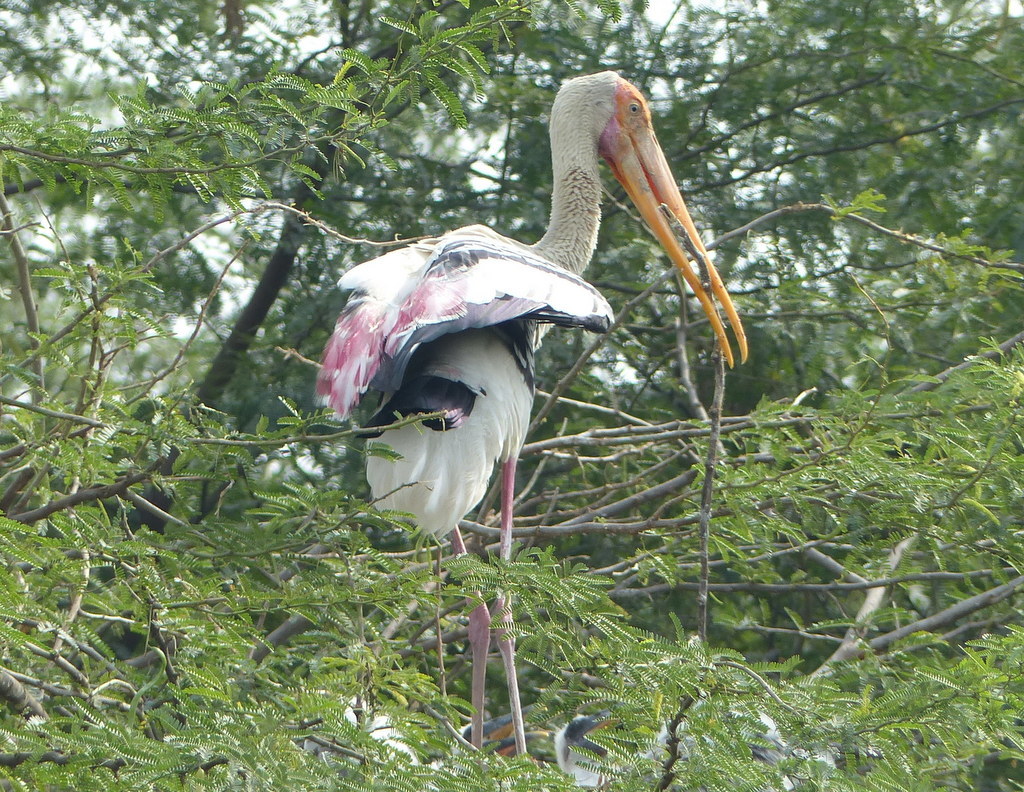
82 496
950 614
668 774
17 697
74 418
28 301
707 490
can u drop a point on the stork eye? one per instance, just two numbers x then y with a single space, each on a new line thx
634 108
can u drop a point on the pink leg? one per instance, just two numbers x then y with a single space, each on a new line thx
479 646
508 494
507 645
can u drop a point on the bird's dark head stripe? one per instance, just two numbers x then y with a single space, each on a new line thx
577 731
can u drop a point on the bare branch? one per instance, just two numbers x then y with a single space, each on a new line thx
82 496
955 118
685 371
598 408
28 300
17 697
760 681
902 236
707 491
803 587
152 508
597 343
308 219
74 418
949 615
200 319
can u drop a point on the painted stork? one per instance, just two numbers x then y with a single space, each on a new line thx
583 765
450 326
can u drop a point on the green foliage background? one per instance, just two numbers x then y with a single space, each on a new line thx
195 594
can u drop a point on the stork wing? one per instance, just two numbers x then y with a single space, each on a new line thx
467 281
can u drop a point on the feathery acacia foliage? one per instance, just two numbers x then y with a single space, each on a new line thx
195 593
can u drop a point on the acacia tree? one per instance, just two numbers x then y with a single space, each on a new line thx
196 593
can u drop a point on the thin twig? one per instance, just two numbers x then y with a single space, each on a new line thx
74 418
324 745
598 408
157 257
28 301
200 320
715 447
685 371
75 607
450 728
760 680
152 508
310 220
668 774
902 236
562 385
707 491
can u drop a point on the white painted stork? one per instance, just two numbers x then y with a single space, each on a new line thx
450 326
579 756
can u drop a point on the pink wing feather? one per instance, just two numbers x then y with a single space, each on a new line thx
352 356
413 296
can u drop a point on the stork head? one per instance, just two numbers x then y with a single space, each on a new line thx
616 114
577 755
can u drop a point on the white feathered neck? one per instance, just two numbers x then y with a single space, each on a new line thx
581 111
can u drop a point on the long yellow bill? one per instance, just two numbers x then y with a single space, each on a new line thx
631 148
